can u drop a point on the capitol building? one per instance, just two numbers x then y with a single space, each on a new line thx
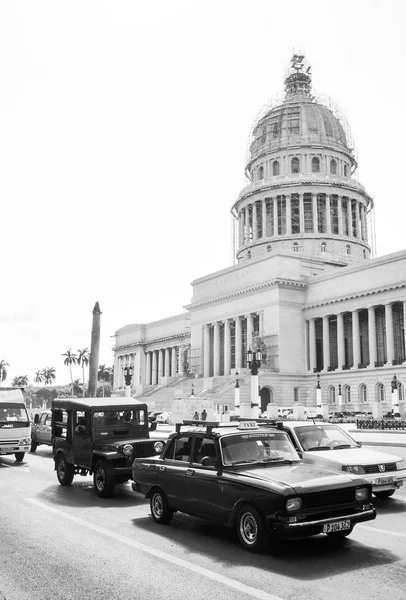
306 287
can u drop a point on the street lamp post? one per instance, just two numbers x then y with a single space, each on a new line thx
318 396
128 375
237 396
340 398
254 362
395 396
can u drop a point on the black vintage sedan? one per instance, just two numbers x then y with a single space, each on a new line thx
248 475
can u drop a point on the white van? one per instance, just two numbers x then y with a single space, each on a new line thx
15 425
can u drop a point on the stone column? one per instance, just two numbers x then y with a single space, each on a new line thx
340 215
328 212
238 343
358 219
250 324
372 337
301 213
315 225
364 224
356 347
288 214
180 359
390 348
340 340
326 343
404 340
312 344
206 350
173 362
240 228
275 216
216 350
264 218
167 363
148 368
154 368
160 363
254 221
349 204
227 347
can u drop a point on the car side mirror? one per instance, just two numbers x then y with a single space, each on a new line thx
80 429
208 461
359 444
152 426
36 419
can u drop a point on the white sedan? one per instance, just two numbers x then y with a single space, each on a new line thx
164 417
329 446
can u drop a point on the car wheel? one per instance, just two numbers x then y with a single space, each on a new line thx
384 494
19 456
160 509
64 470
104 479
34 446
251 529
340 535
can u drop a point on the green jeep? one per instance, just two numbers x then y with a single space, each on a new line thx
100 436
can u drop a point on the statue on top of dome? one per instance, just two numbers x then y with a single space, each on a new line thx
298 78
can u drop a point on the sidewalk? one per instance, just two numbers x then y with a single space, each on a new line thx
375 437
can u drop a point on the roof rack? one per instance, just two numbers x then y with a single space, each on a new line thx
208 424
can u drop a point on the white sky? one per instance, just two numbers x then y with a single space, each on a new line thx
123 132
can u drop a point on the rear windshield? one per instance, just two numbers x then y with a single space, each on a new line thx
119 418
12 411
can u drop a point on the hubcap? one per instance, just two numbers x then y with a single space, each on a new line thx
100 479
248 528
157 506
61 468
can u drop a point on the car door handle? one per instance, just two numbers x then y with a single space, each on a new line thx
162 467
190 472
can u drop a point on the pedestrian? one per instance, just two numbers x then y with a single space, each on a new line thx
196 416
203 416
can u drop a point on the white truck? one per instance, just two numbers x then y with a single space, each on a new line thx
15 425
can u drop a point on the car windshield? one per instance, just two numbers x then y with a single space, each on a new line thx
324 437
120 418
13 412
257 447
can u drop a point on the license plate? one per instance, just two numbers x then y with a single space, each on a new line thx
6 449
336 526
385 480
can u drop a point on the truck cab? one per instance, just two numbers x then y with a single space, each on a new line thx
15 425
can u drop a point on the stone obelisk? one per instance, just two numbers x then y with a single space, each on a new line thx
94 352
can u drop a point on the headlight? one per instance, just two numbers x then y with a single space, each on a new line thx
158 447
356 469
24 441
293 504
400 465
361 494
127 450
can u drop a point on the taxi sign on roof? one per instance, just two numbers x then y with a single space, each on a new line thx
248 425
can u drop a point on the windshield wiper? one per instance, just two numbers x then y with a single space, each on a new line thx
341 446
243 462
275 459
318 448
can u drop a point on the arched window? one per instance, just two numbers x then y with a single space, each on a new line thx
345 170
333 167
315 165
380 392
269 248
364 253
295 247
275 167
323 247
363 392
400 388
348 249
332 395
261 172
295 165
346 393
249 254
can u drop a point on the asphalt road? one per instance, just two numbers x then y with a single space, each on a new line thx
66 543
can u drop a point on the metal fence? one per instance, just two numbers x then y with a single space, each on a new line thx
381 424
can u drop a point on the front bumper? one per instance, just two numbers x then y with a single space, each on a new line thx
13 449
386 481
302 529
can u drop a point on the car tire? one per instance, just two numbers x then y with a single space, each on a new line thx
251 529
104 479
34 446
19 456
340 535
384 494
160 510
64 470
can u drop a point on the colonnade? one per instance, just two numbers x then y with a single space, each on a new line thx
365 337
165 362
226 342
290 214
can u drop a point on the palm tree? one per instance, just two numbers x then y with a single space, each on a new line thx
48 375
39 377
77 387
104 375
20 381
83 360
71 359
3 370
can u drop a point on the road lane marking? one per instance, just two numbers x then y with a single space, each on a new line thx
240 587
386 531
